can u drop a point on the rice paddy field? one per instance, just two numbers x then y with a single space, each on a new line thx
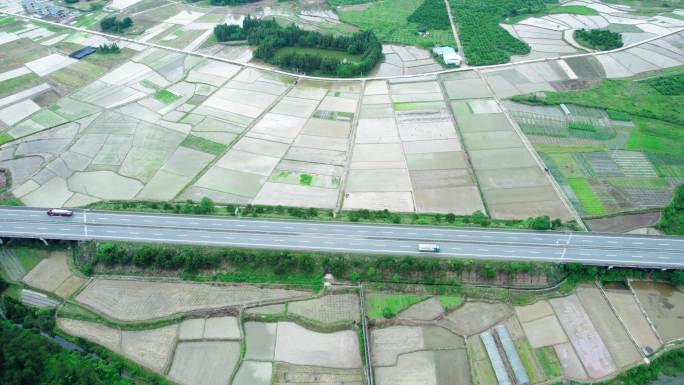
260 335
163 125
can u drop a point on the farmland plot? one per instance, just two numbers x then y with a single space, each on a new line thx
474 317
425 355
131 300
285 374
53 274
297 345
583 335
206 363
329 308
618 342
664 305
151 348
508 191
626 306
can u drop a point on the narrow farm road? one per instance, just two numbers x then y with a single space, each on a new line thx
454 30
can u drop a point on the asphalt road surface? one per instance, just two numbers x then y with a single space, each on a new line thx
589 248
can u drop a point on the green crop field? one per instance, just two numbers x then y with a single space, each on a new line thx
166 96
551 9
549 361
388 19
205 145
592 205
449 302
382 304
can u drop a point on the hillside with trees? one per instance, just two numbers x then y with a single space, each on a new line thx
484 40
306 51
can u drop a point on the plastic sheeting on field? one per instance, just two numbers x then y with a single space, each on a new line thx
519 371
495 358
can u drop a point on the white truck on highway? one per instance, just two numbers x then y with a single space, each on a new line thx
429 247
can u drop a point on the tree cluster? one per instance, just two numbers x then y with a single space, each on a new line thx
600 39
484 40
28 358
269 37
672 218
112 24
28 318
430 15
108 48
671 85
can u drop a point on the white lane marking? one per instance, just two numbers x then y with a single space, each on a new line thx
157 234
535 252
355 244
253 239
538 239
380 245
303 241
611 242
410 233
147 221
436 234
194 223
134 232
404 247
19 227
329 243
637 256
181 235
363 231
585 255
587 241
511 237
638 243
663 244
388 232
124 220
611 255
288 227
509 251
487 236
482 250
663 257
278 240
41 228
172 222
12 215
110 231
265 227
240 225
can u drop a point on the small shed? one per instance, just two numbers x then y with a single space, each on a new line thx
450 57
83 52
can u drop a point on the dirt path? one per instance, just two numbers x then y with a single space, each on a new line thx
455 32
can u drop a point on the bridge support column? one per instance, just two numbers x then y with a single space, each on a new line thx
45 242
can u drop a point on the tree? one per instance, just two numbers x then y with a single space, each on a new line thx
206 206
540 223
387 312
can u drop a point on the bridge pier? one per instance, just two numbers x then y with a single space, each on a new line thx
44 241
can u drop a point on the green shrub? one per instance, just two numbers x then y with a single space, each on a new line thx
431 15
671 85
672 217
112 24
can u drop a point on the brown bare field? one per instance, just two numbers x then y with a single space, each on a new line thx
610 329
584 338
474 317
329 308
52 274
626 306
136 300
297 345
570 362
426 310
92 331
289 374
539 309
151 348
665 307
388 343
